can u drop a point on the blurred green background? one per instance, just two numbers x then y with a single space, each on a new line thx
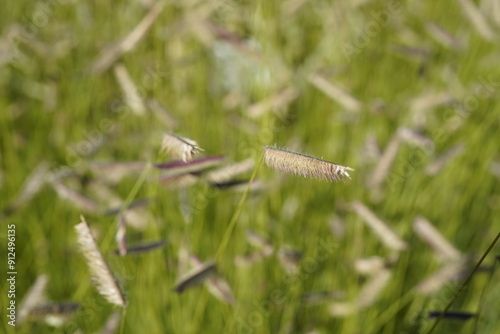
338 80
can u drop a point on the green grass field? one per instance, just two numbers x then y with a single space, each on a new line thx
405 92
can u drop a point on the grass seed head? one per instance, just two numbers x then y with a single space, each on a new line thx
303 165
179 147
102 275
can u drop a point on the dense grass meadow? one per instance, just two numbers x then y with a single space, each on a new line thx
407 93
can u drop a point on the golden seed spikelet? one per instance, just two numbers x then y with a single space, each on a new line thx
372 289
102 275
381 229
179 147
303 165
443 249
443 276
